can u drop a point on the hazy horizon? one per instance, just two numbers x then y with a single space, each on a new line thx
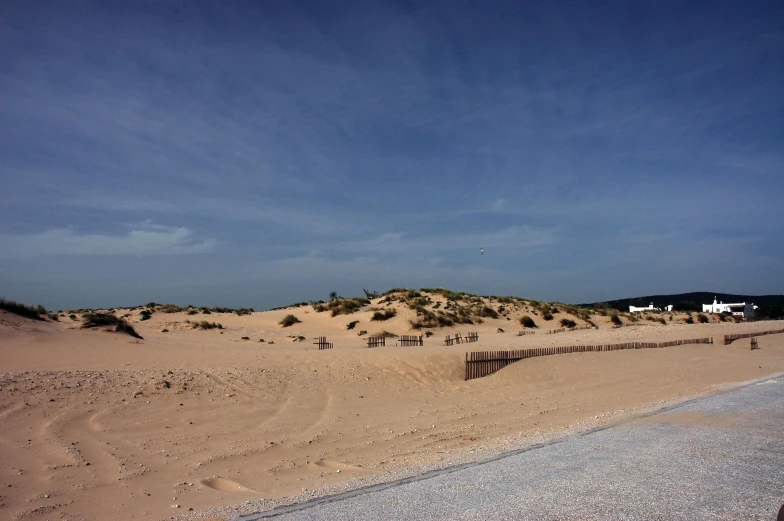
255 155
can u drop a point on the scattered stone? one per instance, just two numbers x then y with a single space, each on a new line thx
138 394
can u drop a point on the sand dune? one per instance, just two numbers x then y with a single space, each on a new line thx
99 425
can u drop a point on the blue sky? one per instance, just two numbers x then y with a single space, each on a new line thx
263 153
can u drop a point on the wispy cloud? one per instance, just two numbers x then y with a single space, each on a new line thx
149 240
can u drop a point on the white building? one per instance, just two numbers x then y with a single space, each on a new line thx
738 309
635 309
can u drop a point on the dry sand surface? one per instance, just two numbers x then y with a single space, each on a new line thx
98 425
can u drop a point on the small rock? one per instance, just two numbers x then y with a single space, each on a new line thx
175 506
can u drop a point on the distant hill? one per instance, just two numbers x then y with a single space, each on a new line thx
771 306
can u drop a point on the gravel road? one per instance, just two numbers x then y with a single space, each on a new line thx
717 458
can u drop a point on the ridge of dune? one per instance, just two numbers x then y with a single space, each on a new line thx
204 418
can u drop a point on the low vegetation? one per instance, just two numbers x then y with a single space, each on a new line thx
615 319
383 315
23 310
351 324
98 319
341 306
289 320
702 319
567 323
204 324
527 321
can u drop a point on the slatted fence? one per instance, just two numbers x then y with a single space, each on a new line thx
322 343
754 344
526 332
411 340
728 339
376 341
452 341
472 337
483 363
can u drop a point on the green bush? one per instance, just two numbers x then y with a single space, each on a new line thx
565 322
171 308
383 315
527 321
351 324
615 319
689 320
702 319
547 315
289 320
146 314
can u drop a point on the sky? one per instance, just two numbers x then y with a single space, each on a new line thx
265 153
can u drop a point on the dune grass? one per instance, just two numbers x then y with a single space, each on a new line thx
98 319
23 310
289 320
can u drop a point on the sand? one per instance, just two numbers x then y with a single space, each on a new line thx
98 425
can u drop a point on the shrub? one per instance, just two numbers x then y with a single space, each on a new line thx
547 315
171 308
565 322
488 312
363 332
243 311
428 334
351 324
23 310
527 321
192 312
615 319
689 320
289 320
146 314
207 325
107 319
164 330
702 319
386 334
72 317
383 315
54 317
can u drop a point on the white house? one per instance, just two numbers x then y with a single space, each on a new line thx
738 309
635 309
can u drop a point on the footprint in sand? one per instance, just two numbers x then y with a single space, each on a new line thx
226 485
335 465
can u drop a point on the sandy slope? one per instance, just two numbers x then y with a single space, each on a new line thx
98 425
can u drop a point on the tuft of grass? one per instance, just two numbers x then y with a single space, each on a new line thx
702 319
243 311
170 308
109 320
615 319
23 310
565 322
289 320
351 324
527 321
363 332
383 315
146 314
204 324
689 320
386 334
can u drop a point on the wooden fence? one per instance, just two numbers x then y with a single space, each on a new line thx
483 363
729 338
472 337
526 332
754 344
322 343
452 341
411 340
375 341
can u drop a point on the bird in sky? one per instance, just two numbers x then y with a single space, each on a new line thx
481 251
